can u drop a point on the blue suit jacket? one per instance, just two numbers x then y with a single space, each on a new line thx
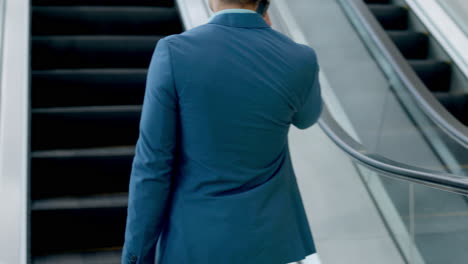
212 174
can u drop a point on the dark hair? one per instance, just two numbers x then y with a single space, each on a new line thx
242 2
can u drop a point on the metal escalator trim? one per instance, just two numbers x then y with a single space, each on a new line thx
14 131
428 103
193 12
445 29
440 180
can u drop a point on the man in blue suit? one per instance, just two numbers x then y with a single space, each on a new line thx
212 176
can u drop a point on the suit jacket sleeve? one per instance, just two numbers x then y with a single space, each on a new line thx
152 167
311 109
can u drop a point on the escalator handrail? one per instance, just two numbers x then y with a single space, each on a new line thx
440 180
428 103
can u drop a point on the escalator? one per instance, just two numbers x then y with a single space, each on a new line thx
88 69
405 50
418 58
415 44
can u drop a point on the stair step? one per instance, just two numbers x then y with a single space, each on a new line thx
49 52
85 202
413 45
73 87
109 20
391 17
104 2
84 153
457 104
78 224
83 127
89 65
93 257
72 170
377 1
435 74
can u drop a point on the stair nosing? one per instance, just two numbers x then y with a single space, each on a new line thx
116 200
389 5
404 31
97 37
127 150
73 254
91 70
104 7
84 109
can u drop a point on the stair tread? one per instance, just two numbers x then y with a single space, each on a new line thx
386 6
456 94
377 1
436 74
412 44
100 37
89 71
105 2
89 202
110 20
110 256
77 8
70 88
88 109
405 32
427 61
84 127
92 51
390 16
86 152
456 104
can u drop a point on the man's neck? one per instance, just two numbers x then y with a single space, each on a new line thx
233 6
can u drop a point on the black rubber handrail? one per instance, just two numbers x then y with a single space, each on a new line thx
440 180
428 103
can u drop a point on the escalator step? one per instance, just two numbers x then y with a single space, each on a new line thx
60 88
457 104
78 224
72 170
391 17
93 257
78 203
413 45
104 2
435 74
89 65
84 127
50 52
109 20
377 1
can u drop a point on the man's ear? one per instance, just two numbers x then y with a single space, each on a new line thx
267 18
210 4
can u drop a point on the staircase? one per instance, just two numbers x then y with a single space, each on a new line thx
89 63
436 73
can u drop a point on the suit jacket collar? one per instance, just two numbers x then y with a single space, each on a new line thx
242 20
